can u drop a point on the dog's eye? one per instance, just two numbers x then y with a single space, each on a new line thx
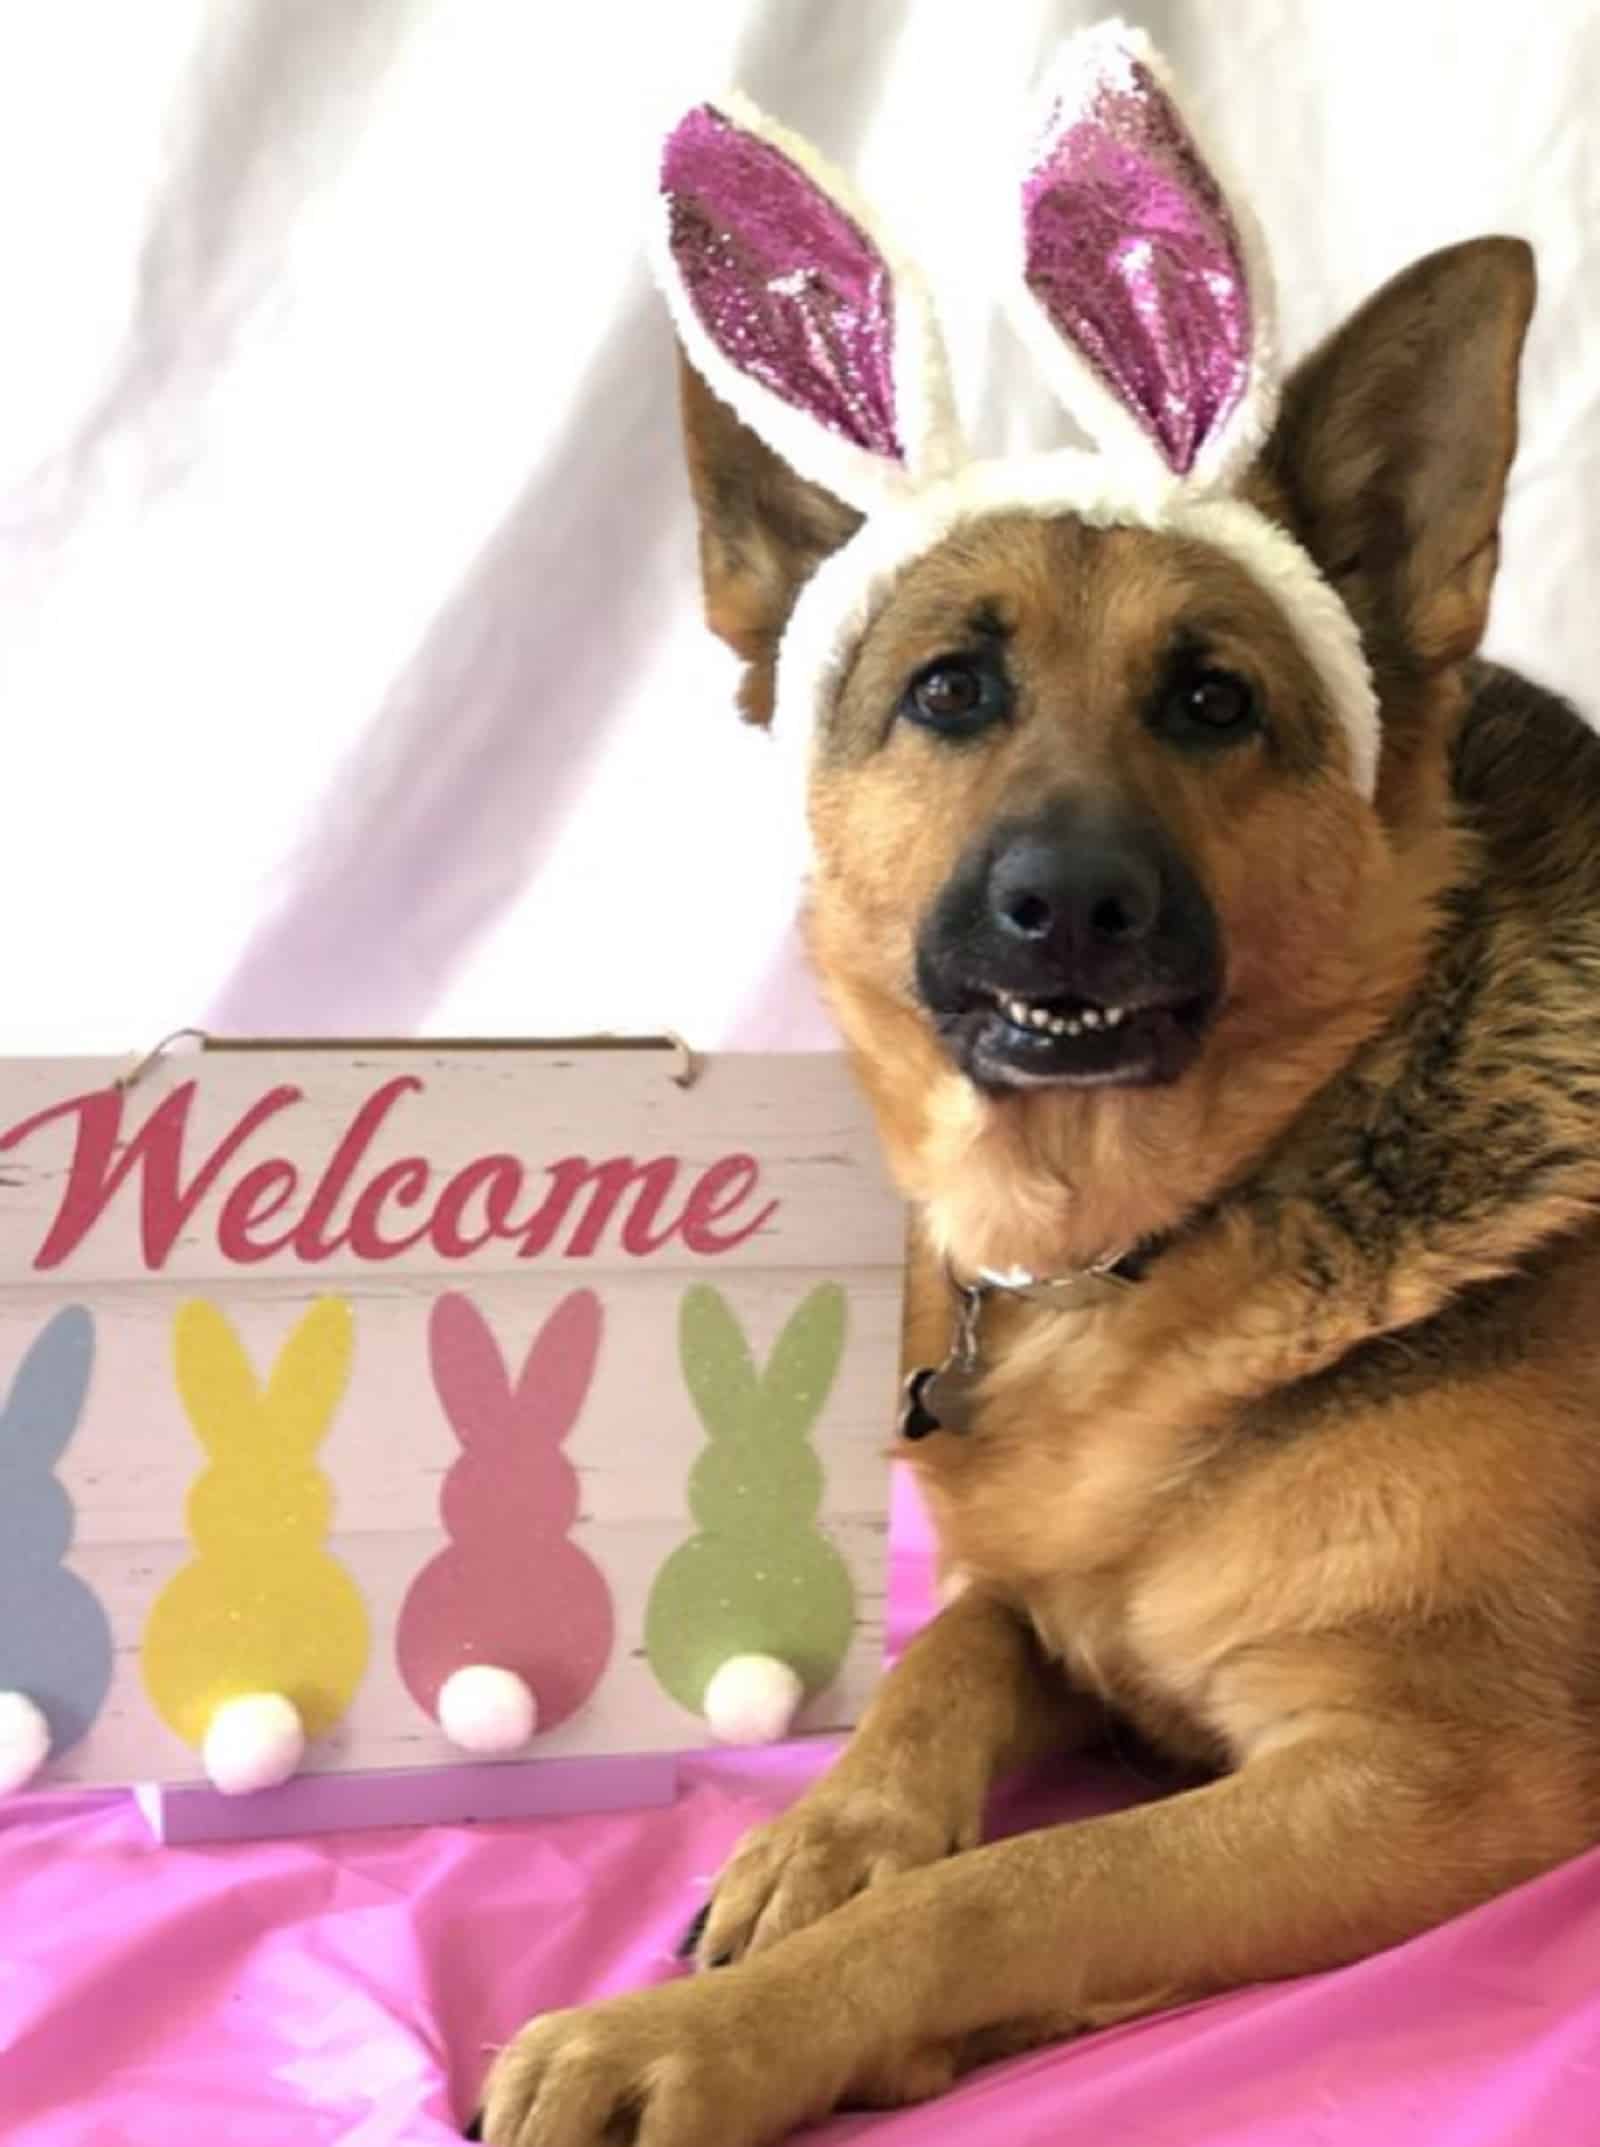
1208 703
956 695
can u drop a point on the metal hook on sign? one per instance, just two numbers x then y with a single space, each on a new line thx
687 1070
140 1064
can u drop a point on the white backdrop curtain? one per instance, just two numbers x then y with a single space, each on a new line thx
350 667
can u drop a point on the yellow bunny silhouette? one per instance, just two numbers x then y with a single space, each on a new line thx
263 1610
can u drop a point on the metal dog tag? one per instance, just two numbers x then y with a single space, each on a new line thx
938 1397
916 1421
942 1397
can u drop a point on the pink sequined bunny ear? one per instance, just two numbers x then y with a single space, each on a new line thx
797 312
1144 293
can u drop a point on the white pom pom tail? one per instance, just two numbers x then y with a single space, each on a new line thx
253 1742
753 1699
24 1741
487 1710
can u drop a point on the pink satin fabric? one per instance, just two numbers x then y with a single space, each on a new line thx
343 1991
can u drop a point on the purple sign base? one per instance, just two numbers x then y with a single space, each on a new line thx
189 1812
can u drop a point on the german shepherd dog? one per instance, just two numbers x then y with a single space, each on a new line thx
1312 1501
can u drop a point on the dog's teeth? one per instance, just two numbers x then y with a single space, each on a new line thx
1039 1018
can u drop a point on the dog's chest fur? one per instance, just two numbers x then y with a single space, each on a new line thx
1191 1574
1085 1526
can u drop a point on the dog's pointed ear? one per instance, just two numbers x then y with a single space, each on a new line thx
1392 447
763 534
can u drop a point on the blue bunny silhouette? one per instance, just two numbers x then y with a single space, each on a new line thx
55 1639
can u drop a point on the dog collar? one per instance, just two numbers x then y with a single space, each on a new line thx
942 1397
1064 1291
1142 292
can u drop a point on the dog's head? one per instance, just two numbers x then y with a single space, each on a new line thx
1097 897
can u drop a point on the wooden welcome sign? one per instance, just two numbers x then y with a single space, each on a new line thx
335 1373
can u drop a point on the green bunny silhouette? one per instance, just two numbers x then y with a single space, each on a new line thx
759 1577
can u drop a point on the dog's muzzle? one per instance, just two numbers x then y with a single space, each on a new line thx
1075 948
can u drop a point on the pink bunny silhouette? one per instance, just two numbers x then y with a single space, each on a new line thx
512 1592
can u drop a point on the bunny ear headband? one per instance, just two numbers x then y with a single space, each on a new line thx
1142 293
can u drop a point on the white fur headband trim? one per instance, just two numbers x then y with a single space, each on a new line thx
839 603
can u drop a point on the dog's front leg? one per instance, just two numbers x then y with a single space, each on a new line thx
971 1698
1314 1854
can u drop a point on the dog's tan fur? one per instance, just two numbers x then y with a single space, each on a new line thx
1316 1505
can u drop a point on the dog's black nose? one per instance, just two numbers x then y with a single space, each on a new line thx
1075 893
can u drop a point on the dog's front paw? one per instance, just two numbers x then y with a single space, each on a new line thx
687 2065
833 1845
